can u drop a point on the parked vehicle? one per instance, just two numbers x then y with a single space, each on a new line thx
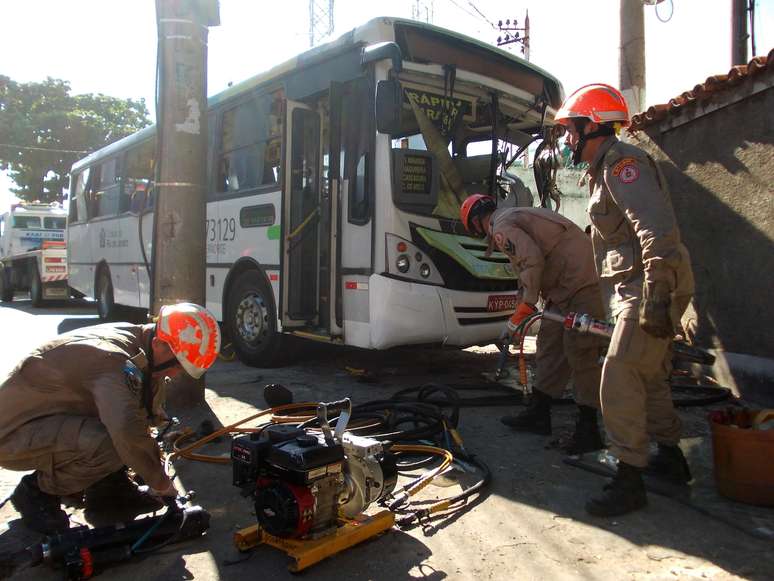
333 193
33 256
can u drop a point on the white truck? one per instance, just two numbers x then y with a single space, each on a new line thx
33 255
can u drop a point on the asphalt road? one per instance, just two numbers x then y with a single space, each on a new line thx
529 525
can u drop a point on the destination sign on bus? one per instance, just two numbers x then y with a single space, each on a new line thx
442 111
417 174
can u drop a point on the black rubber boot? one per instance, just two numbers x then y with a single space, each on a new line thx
625 493
586 437
536 419
116 498
39 511
670 464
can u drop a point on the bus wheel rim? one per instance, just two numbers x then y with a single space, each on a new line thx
250 318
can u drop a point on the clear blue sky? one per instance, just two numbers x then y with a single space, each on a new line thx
109 46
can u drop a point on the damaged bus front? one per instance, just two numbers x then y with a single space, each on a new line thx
454 117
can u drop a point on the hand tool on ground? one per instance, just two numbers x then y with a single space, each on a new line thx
82 551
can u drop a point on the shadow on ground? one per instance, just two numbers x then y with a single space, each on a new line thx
531 524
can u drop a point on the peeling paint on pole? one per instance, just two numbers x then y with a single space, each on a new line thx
191 124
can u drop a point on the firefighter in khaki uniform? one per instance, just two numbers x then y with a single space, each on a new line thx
78 408
646 276
553 259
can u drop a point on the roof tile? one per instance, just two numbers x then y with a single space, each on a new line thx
704 91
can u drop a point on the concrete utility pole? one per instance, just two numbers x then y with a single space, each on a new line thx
631 63
178 257
526 36
513 33
739 32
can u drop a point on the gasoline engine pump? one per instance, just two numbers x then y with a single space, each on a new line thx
309 485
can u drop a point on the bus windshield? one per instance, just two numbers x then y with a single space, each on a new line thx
54 222
26 222
458 130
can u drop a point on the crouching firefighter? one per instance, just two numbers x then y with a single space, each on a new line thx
554 260
77 411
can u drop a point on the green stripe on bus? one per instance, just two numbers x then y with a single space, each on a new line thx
470 254
273 232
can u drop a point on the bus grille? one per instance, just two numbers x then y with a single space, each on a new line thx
456 276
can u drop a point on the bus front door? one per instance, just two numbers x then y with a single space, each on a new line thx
301 218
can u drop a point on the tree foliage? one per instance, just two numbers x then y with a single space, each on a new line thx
44 130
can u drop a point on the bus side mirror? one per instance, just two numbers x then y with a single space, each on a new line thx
388 104
380 51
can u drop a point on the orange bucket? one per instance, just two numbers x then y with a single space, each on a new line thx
744 462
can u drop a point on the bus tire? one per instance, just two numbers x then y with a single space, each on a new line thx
106 305
6 288
251 322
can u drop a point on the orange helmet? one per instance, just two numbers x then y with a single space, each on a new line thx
598 102
476 206
192 334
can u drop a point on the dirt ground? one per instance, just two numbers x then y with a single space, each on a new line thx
530 524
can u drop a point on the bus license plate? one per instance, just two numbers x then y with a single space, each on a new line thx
496 303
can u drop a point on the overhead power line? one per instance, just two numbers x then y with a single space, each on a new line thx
492 24
469 13
52 149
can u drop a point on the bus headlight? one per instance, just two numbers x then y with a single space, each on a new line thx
406 261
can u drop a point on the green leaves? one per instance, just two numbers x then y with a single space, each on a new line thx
44 130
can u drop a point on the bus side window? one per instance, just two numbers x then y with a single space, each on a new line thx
108 191
249 154
136 177
75 195
91 185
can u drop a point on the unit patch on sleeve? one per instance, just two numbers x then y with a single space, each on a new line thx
626 170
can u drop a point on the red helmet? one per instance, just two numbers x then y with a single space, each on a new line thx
476 206
598 102
192 334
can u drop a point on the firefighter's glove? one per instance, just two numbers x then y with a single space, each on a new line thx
513 325
655 318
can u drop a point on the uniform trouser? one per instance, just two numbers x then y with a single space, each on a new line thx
69 453
562 354
636 396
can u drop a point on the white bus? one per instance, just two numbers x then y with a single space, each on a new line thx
334 183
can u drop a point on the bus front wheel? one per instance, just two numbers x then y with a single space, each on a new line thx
106 306
251 322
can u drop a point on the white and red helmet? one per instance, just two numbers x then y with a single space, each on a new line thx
192 334
597 102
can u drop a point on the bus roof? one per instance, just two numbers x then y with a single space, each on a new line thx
53 209
374 30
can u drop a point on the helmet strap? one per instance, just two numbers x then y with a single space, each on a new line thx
602 130
147 383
